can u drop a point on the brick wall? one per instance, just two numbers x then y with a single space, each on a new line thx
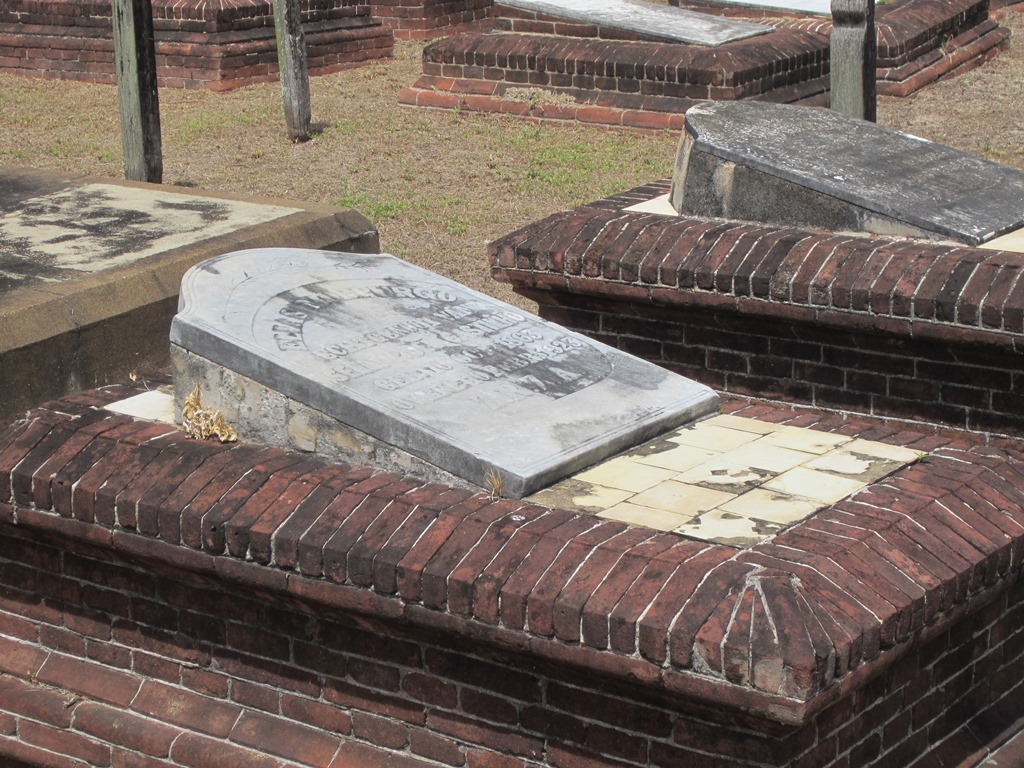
169 602
895 328
198 45
425 19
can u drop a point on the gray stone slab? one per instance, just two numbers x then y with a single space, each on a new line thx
814 167
661 22
810 7
466 382
96 227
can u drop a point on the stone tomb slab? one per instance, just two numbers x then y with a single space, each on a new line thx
653 21
467 383
812 167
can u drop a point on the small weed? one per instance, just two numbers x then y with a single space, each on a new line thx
387 209
198 124
495 484
344 127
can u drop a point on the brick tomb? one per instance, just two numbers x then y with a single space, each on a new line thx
170 602
902 327
544 65
215 45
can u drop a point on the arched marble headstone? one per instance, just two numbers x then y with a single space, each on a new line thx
465 382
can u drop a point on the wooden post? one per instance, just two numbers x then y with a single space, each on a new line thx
853 53
135 63
291 60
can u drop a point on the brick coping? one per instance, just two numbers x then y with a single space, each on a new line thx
924 290
781 630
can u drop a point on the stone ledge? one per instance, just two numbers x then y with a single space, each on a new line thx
672 615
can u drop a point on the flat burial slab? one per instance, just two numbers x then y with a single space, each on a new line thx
660 22
468 383
806 166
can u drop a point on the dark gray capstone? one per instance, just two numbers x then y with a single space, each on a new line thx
470 384
809 167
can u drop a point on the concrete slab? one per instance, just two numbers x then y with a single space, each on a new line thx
90 270
653 21
468 383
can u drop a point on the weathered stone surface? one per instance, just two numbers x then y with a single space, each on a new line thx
790 165
417 361
660 22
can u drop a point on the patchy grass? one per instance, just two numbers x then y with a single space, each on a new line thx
439 185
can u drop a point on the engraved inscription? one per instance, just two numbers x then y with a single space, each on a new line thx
435 342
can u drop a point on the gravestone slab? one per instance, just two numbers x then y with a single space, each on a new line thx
812 167
810 7
660 22
468 383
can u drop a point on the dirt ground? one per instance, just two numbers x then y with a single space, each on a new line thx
439 185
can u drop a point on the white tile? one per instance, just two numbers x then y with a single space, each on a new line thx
677 458
813 484
769 457
726 476
659 519
681 498
742 423
711 437
580 496
723 527
771 506
155 405
883 451
806 440
659 205
625 474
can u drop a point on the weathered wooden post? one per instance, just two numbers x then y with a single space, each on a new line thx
135 63
291 60
853 54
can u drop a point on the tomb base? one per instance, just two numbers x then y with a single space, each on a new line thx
632 83
260 413
551 69
215 46
210 605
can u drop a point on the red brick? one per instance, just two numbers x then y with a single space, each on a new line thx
197 751
213 528
351 696
411 566
284 738
262 532
362 555
64 742
352 754
488 585
189 490
187 709
516 590
51 705
502 680
478 732
435 576
393 734
575 557
438 748
182 513
125 729
317 714
93 680
275 501
479 758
